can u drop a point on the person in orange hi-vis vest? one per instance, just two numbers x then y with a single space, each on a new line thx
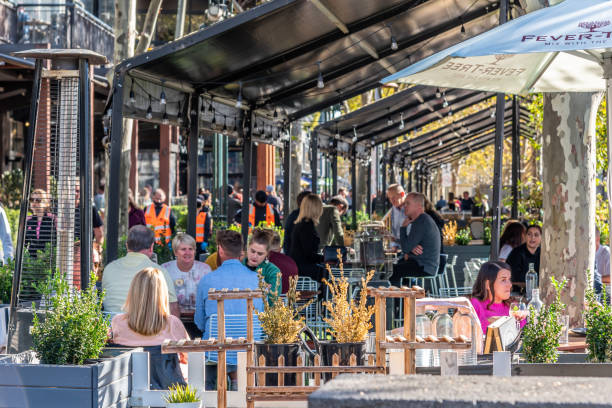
159 217
261 211
203 221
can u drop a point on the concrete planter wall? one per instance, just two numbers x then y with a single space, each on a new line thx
465 253
105 383
568 365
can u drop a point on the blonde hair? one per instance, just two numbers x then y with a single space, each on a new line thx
147 305
182 238
395 189
310 209
44 196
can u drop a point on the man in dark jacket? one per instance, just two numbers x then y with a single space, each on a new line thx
330 226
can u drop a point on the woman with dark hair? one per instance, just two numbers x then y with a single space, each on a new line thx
491 293
525 254
513 236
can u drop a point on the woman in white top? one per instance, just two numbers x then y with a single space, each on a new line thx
185 271
513 236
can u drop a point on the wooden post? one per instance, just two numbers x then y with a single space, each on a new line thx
317 376
221 363
380 334
299 377
261 377
250 356
335 363
409 334
281 376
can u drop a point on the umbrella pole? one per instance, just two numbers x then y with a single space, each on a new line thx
607 68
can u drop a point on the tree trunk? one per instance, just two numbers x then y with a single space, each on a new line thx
295 172
125 39
148 27
568 161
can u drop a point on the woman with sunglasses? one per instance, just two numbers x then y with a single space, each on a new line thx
40 226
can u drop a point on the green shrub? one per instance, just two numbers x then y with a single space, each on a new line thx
11 186
464 236
542 331
163 252
180 213
598 322
6 281
13 219
74 328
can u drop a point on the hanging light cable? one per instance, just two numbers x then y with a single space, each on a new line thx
239 99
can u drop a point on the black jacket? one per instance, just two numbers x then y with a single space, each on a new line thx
305 250
519 260
289 224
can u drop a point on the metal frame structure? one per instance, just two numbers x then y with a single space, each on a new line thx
272 76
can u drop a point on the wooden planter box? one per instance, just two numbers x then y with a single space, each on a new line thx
103 383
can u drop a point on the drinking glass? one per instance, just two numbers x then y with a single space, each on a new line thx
564 322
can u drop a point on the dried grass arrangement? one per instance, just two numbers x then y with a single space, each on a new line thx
281 321
349 321
449 233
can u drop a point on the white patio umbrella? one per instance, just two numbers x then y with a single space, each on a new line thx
563 48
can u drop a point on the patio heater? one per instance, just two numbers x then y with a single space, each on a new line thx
53 236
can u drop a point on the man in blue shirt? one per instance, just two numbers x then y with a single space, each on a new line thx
231 274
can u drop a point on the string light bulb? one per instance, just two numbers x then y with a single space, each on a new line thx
462 29
239 99
440 142
401 125
394 45
275 115
149 114
438 93
389 121
162 97
210 107
320 83
132 96
214 119
445 103
354 134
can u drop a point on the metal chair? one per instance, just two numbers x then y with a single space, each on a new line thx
235 327
434 279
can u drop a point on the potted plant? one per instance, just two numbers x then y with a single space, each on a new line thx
182 396
282 326
542 331
598 322
6 281
349 320
464 236
68 359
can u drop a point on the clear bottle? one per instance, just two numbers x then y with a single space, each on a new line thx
443 325
535 302
423 329
531 281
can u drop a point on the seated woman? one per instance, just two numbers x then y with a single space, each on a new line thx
40 226
147 322
257 259
525 254
513 236
186 273
491 293
305 240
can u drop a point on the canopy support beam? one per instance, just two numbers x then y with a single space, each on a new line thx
354 187
247 153
607 68
313 161
498 157
287 174
516 149
192 167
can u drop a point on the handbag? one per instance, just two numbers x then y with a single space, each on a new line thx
330 254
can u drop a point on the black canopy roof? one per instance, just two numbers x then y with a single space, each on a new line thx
272 55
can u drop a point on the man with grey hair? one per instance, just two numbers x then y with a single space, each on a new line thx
118 275
420 247
397 197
